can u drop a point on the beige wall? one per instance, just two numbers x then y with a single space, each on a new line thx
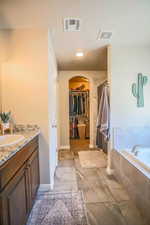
95 78
25 86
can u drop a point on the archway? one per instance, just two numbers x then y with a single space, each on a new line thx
79 112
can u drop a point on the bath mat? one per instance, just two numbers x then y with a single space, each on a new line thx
92 159
65 208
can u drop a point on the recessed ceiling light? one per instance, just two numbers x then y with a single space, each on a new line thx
79 54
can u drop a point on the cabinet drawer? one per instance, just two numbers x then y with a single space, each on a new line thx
9 169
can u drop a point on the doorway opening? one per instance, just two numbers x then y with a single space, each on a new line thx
79 113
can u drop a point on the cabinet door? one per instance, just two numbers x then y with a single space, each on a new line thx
33 165
14 200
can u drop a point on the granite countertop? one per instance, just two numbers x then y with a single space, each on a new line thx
28 131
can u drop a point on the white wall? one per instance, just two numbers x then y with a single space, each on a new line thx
126 64
25 86
95 78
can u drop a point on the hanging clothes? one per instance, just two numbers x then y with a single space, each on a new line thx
74 133
83 103
78 111
78 103
75 104
71 104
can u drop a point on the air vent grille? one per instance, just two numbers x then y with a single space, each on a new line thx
104 35
71 24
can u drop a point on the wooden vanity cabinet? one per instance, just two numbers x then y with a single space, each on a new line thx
14 200
18 194
33 174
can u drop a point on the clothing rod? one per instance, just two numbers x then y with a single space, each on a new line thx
76 91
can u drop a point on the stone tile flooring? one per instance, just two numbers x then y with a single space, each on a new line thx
106 200
77 145
65 179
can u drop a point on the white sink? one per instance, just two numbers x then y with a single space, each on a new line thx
8 140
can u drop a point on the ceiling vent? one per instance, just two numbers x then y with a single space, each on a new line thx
104 35
71 24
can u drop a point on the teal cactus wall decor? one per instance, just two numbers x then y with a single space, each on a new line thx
137 89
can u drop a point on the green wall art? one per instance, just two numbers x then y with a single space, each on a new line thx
138 89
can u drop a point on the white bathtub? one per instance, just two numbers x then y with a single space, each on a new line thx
139 158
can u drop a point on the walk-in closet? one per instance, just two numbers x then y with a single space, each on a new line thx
79 112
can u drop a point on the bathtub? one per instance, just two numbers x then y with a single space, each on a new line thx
132 169
140 158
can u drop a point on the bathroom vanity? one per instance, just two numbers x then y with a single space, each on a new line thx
19 181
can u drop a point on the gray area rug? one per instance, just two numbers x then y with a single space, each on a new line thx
58 209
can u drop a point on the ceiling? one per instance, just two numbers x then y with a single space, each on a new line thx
128 20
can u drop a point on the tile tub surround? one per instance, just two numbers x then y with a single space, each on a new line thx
28 131
135 182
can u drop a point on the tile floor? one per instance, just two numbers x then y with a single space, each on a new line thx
79 145
106 200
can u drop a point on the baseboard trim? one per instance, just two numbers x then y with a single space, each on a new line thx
45 187
65 147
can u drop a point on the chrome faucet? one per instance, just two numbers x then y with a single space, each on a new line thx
135 150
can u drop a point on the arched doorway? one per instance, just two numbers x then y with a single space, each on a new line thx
79 112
